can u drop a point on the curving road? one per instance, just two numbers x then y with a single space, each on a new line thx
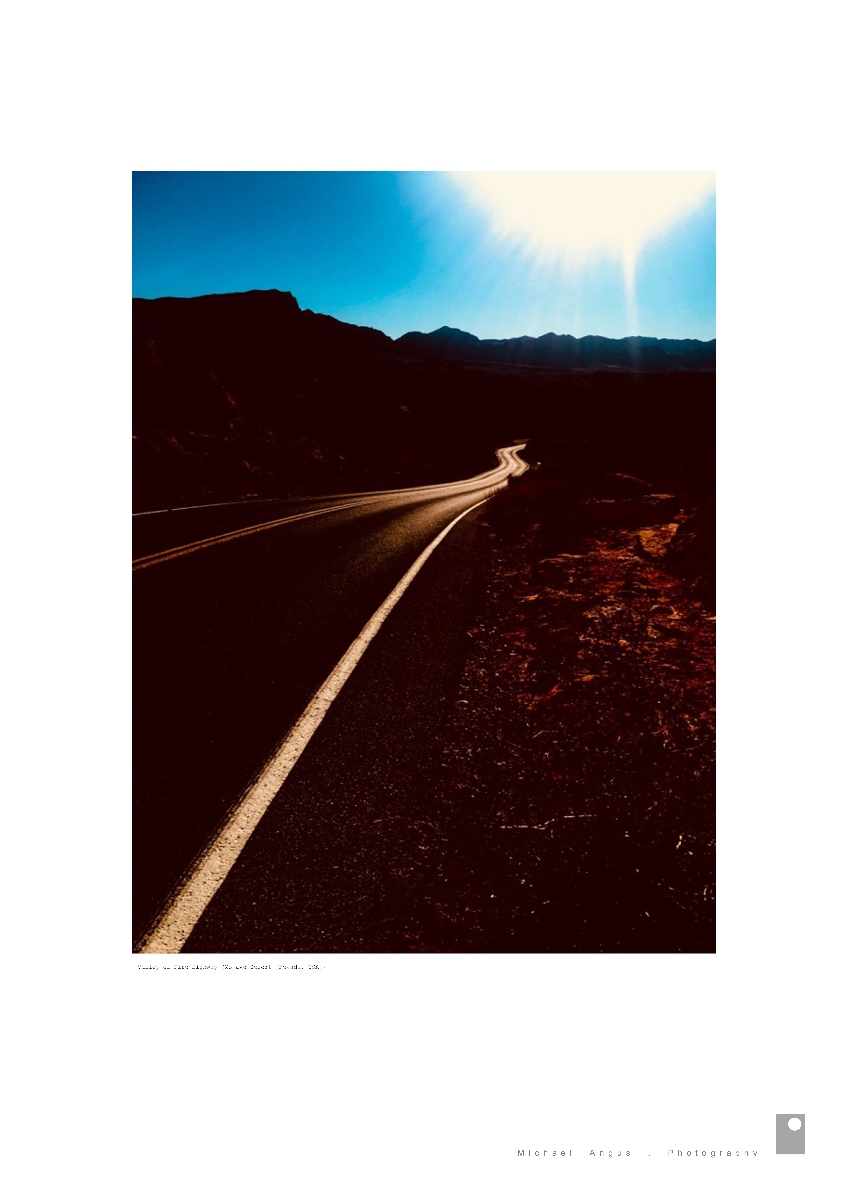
243 612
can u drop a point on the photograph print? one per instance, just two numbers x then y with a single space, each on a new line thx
424 562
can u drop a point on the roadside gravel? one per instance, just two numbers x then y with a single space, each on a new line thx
575 808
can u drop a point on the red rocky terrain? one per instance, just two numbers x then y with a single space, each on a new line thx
576 807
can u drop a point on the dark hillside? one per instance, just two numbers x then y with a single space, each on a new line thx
248 394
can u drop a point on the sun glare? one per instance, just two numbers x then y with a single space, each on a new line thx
578 216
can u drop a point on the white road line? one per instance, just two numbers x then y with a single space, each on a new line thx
160 556
510 465
150 512
170 933
478 481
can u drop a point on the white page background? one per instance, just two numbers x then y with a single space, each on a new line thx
408 1076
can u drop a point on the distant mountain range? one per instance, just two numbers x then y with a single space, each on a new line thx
563 351
275 309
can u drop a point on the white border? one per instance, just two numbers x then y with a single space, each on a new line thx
399 1075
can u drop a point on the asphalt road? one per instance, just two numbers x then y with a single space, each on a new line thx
234 632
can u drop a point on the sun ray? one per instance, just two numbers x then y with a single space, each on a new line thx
572 219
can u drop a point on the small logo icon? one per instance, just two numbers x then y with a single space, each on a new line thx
790 1133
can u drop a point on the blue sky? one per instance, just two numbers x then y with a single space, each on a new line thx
499 256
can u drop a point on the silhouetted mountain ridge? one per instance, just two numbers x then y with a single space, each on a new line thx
247 393
563 350
279 312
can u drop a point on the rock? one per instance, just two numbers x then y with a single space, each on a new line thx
654 540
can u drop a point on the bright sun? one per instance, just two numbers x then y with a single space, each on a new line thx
576 216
